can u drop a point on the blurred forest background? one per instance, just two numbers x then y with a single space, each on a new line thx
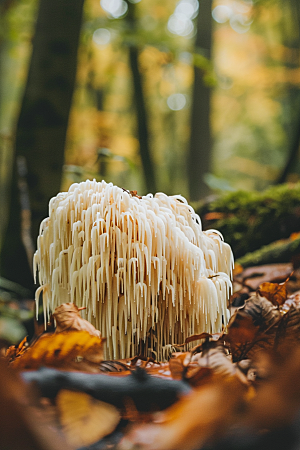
180 96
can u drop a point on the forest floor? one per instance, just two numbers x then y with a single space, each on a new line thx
238 389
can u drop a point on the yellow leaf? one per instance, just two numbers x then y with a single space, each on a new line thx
63 350
274 292
85 420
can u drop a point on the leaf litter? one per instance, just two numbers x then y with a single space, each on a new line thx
242 382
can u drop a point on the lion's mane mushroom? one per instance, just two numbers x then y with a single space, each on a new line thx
136 263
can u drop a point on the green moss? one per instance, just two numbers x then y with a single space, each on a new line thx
277 252
250 220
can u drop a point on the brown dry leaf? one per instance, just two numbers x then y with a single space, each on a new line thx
241 333
252 327
263 313
181 367
193 420
85 420
216 359
69 350
276 293
178 364
67 317
288 331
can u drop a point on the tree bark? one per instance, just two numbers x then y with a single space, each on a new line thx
293 155
42 125
294 95
199 157
141 111
142 122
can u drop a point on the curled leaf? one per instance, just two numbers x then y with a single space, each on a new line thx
252 327
216 359
67 317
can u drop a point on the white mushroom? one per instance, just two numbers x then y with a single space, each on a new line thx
142 266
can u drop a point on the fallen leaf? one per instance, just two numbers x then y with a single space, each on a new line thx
215 359
241 334
253 327
276 293
85 420
76 350
67 317
288 331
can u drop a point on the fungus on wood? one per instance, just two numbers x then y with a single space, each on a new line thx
142 266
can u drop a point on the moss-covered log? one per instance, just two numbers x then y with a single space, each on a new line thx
278 252
250 220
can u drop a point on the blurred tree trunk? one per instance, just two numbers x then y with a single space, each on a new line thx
293 154
141 111
5 138
199 157
293 43
42 125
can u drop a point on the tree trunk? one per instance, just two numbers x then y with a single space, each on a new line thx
141 112
293 155
199 158
294 97
142 122
42 125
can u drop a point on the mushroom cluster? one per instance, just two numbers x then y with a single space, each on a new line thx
142 266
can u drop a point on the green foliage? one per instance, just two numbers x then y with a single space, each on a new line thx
249 220
206 66
14 312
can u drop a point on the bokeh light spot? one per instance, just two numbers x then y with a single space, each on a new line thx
221 13
101 36
189 8
115 8
180 24
176 102
240 23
